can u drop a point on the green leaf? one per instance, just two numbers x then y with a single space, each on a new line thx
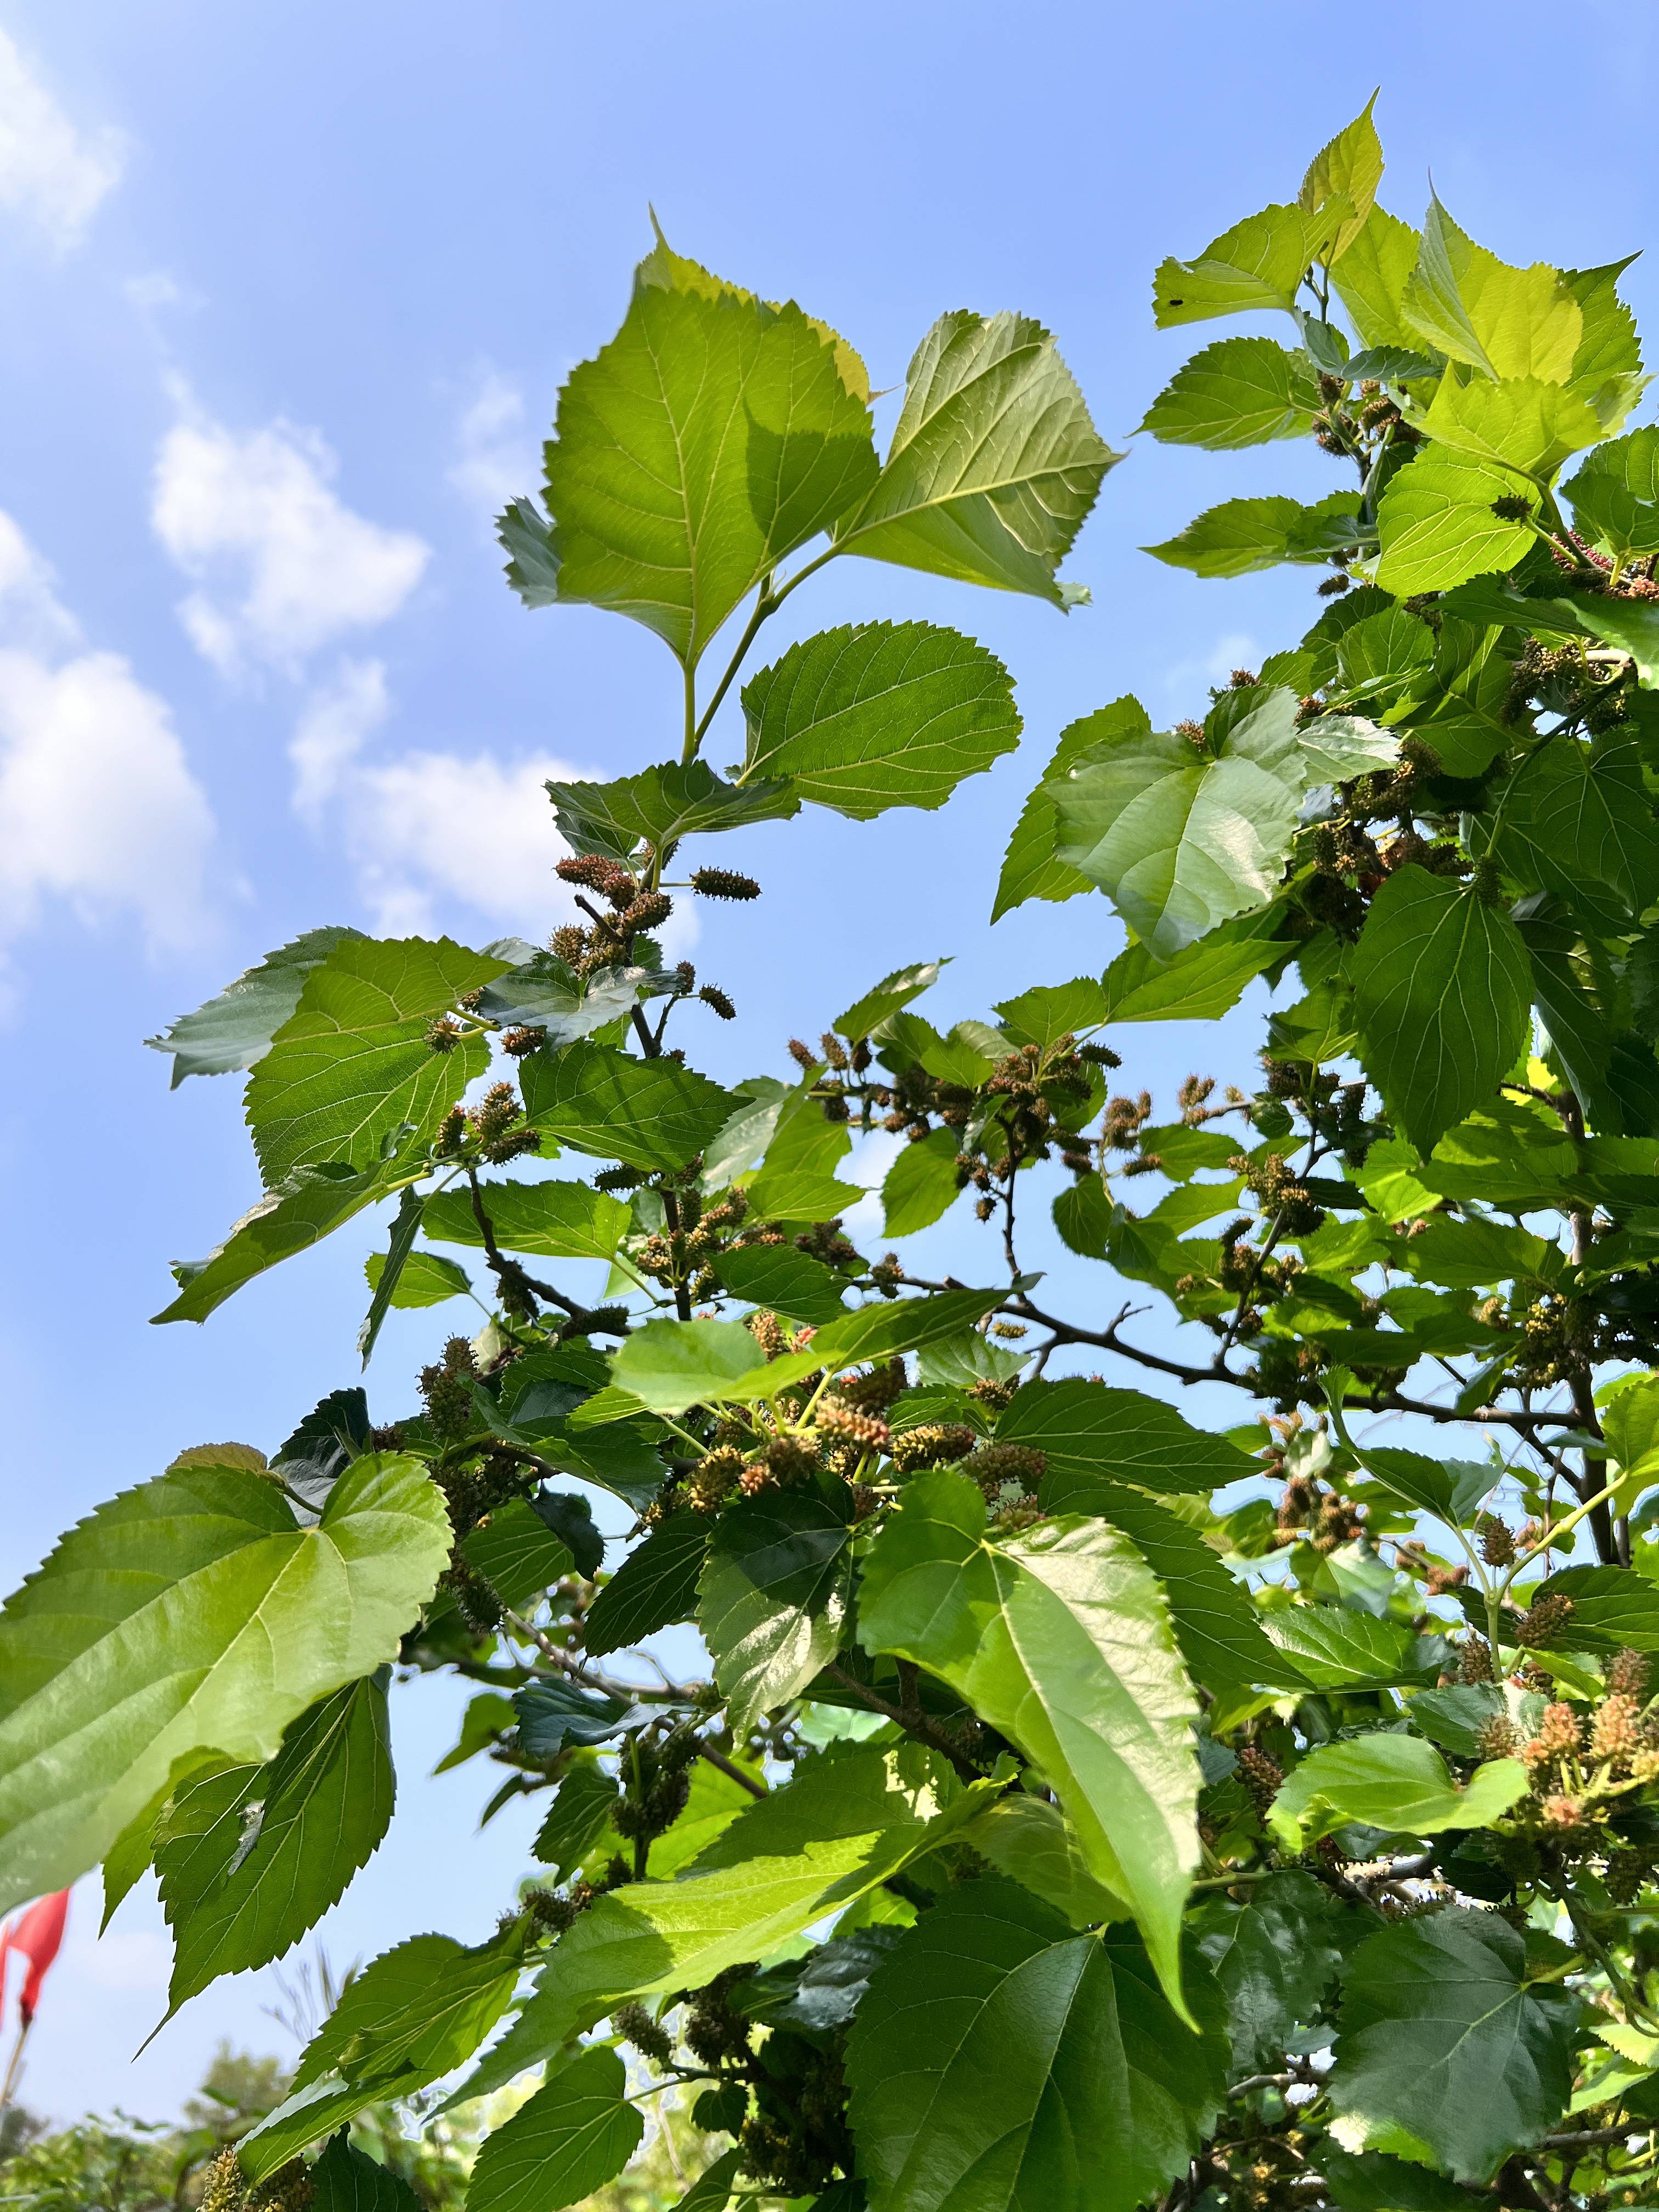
1372 276
581 1808
710 438
1437 525
993 463
1577 816
1048 1011
1452 1489
571 2138
346 2179
1061 1638
661 805
1397 1783
772 1601
1030 869
1443 993
712 2190
1340 1650
1259 263
878 714
655 1586
1240 391
413 2013
650 1112
1506 322
799 1195
997 2052
1349 167
234 1030
1184 838
1446 2052
1206 979
227 1622
487 1719
524 534
558 1220
305 1208
1615 494
921 1185
517 1552
782 1279
1275 1958
543 992
353 1061
1034 1844
1375 2183
865 1015
792 1858
678 272
1219 1629
250 1858
1087 1431
1244 534
389 1275
1521 423
426 1278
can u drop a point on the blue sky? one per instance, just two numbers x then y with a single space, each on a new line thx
289 294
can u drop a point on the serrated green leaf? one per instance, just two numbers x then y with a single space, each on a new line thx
1506 322
1259 263
1372 2182
227 1622
544 993
1034 1844
234 1030
426 1278
574 2135
517 1553
1442 994
1446 2050
558 1220
1206 979
305 1208
1395 1782
711 438
1219 1629
1451 1488
921 1186
1577 817
1614 1608
1245 534
997 2050
1061 1638
1349 167
792 1858
1370 277
1087 1431
865 1015
772 1601
353 1061
1521 423
660 805
389 1275
1340 1650
1437 525
784 1280
655 1586
1048 1011
580 1810
1182 839
1030 869
1275 1958
1239 392
346 2179
250 1858
525 536
994 464
650 1112
1615 493
878 714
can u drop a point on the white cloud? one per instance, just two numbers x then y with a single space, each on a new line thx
496 460
258 511
50 172
337 721
98 806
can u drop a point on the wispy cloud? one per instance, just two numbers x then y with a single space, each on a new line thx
98 806
52 174
285 566
496 459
